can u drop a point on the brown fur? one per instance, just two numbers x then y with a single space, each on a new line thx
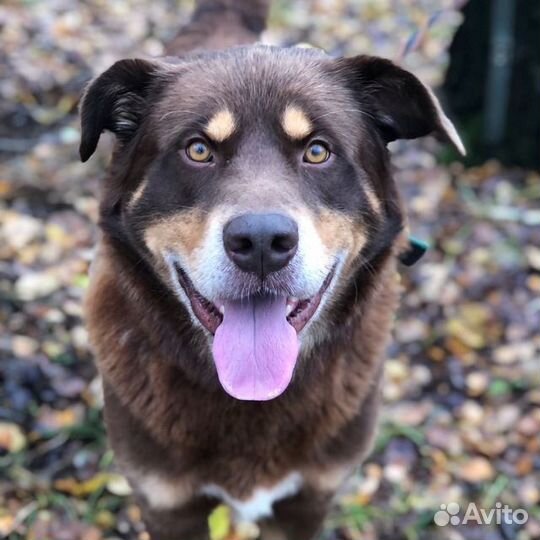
155 413
173 428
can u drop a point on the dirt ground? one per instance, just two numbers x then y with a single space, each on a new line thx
462 417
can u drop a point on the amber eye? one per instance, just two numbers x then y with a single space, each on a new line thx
199 151
316 153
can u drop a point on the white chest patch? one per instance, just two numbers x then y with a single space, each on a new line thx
259 505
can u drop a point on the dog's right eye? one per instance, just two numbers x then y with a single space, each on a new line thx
199 151
316 153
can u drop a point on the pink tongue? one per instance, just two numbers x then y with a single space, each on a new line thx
255 348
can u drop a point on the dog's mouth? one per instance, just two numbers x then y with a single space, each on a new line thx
256 343
298 312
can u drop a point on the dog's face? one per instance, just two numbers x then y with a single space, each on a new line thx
255 183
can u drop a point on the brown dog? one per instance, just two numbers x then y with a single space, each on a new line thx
245 283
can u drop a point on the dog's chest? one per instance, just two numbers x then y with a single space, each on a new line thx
259 505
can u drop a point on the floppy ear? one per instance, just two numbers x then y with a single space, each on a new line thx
116 101
401 106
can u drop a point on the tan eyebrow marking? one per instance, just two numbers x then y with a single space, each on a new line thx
221 126
295 122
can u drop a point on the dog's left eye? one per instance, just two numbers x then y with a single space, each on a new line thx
316 152
199 151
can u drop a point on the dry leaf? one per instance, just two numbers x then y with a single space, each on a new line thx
12 438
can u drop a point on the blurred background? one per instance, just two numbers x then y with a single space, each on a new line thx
462 416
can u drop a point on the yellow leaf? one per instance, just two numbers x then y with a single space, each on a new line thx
468 335
82 489
105 519
57 235
5 187
219 523
12 438
6 524
469 326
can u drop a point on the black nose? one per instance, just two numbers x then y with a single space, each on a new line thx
261 243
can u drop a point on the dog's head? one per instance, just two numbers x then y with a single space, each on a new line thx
255 183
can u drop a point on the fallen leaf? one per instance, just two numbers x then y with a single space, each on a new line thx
118 485
533 256
219 523
477 383
476 470
82 489
6 524
12 438
35 285
247 531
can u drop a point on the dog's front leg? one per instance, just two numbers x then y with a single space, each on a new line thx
187 522
301 517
